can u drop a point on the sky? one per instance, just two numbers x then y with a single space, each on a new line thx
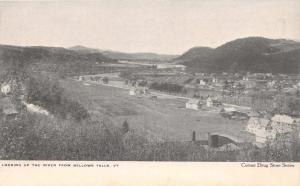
161 26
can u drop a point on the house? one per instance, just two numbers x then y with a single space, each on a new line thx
132 92
202 82
262 129
138 91
194 104
281 127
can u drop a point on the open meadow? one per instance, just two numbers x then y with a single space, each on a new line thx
158 119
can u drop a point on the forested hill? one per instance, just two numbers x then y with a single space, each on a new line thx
253 54
49 58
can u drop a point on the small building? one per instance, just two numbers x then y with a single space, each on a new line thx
8 87
5 89
132 92
209 102
194 104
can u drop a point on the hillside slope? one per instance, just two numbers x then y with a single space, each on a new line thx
253 54
49 58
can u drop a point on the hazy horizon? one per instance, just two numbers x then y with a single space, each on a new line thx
161 26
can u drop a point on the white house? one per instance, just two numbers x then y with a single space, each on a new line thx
202 82
194 104
254 124
262 129
132 92
6 88
138 91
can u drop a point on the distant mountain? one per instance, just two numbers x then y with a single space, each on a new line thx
194 54
253 54
49 58
126 56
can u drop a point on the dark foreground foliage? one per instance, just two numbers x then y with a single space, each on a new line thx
37 137
47 93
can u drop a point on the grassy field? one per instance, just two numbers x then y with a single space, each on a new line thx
161 119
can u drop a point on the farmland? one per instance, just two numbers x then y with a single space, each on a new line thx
163 119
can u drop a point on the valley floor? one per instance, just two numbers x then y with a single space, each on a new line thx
163 119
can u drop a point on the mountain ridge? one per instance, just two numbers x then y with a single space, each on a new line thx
251 54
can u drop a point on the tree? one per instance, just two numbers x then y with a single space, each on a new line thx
105 80
228 88
240 88
125 126
278 86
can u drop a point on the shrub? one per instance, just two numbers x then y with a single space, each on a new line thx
47 93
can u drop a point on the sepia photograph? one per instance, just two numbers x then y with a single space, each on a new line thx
161 80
